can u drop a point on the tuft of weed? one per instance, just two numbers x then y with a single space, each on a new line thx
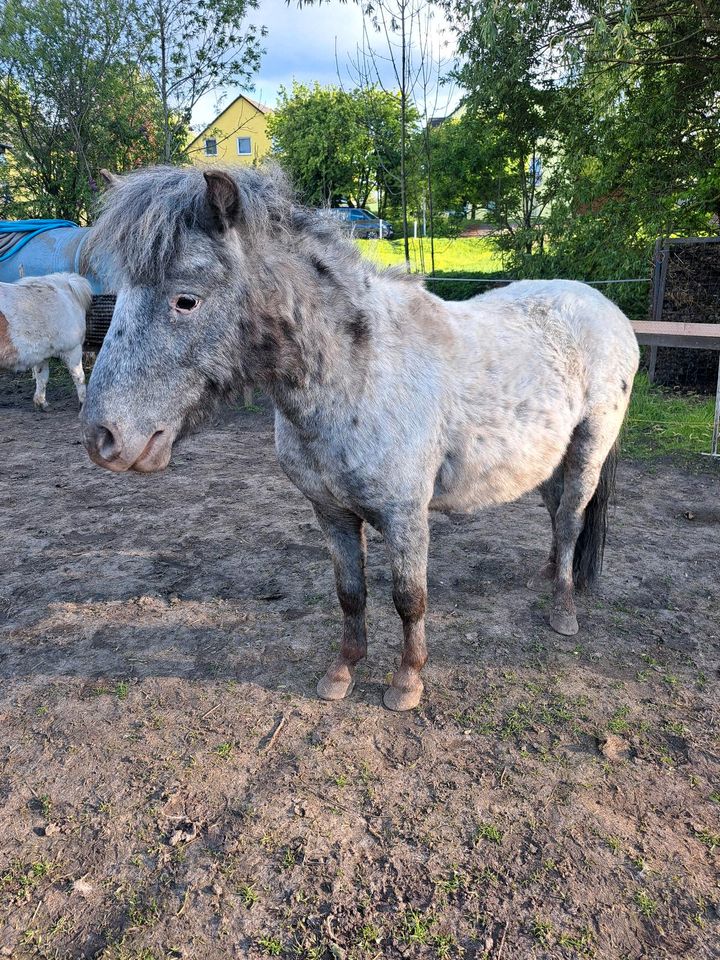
488 831
645 904
415 926
542 931
271 945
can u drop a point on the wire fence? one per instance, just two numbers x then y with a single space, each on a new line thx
428 277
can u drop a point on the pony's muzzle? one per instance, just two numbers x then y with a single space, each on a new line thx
109 447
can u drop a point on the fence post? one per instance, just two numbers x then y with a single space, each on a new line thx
653 361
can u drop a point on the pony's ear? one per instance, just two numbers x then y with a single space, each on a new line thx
223 197
109 179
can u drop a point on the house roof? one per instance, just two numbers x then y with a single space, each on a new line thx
260 107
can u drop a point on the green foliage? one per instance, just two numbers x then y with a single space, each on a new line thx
336 145
619 103
72 100
107 83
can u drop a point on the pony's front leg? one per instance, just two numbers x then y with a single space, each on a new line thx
346 540
407 543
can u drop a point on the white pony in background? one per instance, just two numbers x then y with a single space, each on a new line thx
43 317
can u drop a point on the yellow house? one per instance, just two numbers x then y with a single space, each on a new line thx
238 135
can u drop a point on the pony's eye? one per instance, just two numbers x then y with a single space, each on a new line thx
185 303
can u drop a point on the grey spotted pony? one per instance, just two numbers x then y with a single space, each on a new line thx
389 402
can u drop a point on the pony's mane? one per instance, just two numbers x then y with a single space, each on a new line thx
146 217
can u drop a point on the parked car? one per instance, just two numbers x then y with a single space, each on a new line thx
361 223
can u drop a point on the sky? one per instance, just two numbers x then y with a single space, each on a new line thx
314 44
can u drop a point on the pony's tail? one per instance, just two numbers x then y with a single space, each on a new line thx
590 547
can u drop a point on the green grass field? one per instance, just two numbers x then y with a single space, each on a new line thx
660 422
451 253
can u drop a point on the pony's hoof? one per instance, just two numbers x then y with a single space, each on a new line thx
332 687
42 407
564 622
399 699
545 573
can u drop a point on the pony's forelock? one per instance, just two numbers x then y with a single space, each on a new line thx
145 219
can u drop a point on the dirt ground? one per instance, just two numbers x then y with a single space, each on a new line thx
170 786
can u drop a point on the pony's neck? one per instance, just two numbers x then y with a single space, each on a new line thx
310 338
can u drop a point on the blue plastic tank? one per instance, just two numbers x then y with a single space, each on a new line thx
56 250
33 248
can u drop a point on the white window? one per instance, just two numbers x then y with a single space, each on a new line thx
211 147
244 146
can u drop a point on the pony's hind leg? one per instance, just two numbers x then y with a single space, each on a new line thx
346 539
581 511
407 542
73 361
551 492
42 375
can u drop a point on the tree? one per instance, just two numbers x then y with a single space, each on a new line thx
466 163
190 48
71 101
336 145
619 100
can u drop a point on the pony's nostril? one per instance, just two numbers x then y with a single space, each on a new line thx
101 441
105 443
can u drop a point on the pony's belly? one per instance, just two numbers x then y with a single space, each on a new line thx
467 487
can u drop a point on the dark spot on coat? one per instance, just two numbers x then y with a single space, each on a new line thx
623 384
359 328
322 268
119 333
354 422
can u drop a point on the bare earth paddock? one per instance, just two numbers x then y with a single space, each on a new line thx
171 787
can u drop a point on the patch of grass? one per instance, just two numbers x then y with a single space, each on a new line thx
542 931
645 904
462 254
516 722
370 937
615 844
21 878
618 723
248 894
122 689
289 859
142 912
581 941
415 926
224 751
445 946
452 884
660 422
44 805
271 945
676 727
488 831
711 840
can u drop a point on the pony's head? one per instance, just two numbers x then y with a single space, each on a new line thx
180 247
